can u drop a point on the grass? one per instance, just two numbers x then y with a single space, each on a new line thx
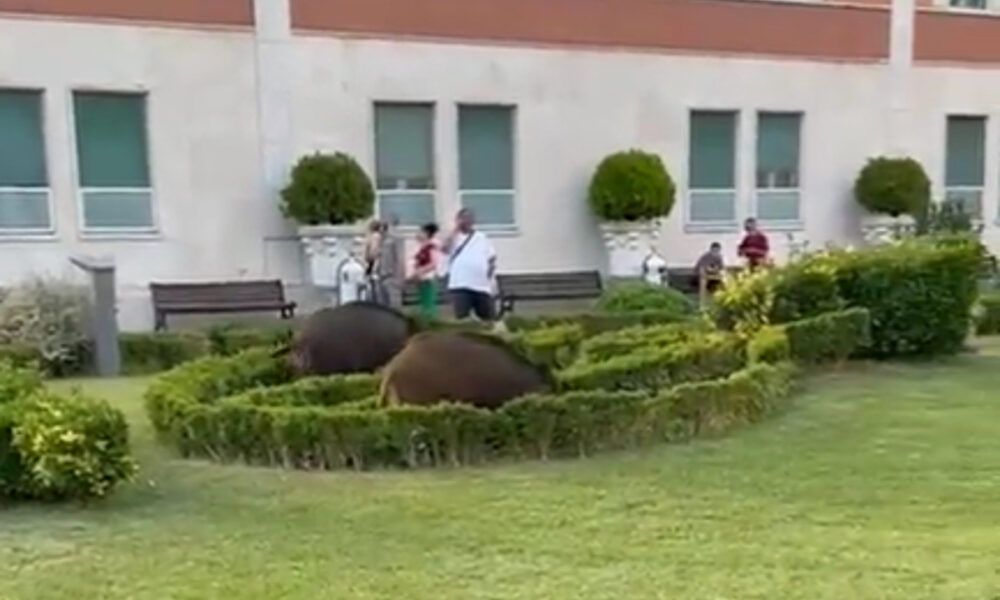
880 482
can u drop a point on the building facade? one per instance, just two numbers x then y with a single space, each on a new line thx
160 132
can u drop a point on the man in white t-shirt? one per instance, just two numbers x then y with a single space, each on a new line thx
471 266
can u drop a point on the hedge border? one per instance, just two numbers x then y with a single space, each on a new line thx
351 434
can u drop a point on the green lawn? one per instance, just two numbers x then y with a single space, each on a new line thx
879 482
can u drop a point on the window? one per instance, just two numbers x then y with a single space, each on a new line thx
25 206
113 162
486 163
778 167
966 163
981 4
404 161
712 168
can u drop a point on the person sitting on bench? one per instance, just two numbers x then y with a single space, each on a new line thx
709 271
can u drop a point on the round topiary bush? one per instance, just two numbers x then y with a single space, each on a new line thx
893 186
632 186
328 190
638 297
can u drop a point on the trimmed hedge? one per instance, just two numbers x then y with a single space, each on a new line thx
770 345
594 323
988 314
573 424
625 298
176 393
919 293
552 347
832 337
145 353
624 341
651 368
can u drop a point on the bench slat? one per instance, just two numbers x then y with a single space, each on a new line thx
218 297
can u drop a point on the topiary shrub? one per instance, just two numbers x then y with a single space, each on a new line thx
893 186
637 297
632 186
328 190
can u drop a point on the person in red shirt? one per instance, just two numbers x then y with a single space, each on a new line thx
754 247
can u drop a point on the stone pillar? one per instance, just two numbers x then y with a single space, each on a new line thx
104 319
901 38
273 43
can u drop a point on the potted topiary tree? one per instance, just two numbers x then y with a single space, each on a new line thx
630 193
894 191
328 196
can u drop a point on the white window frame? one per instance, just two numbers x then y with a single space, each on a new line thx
691 225
779 225
103 233
434 191
515 211
7 233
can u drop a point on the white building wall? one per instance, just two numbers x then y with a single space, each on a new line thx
215 128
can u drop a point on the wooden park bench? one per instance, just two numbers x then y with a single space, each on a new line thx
573 285
218 297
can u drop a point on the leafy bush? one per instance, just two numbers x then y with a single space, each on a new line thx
17 382
770 345
832 337
20 355
328 190
893 186
651 368
638 297
919 294
745 303
49 317
69 447
546 426
328 391
804 289
988 314
145 353
632 186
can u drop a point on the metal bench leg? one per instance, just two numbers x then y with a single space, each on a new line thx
160 321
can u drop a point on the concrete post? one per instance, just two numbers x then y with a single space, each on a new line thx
104 320
274 76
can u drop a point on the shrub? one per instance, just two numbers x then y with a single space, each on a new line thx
947 217
49 317
230 339
70 447
335 390
631 186
638 297
145 353
919 294
832 337
804 289
17 382
988 314
328 190
650 368
20 355
894 186
770 345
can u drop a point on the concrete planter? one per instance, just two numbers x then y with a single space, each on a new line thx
326 248
628 245
884 229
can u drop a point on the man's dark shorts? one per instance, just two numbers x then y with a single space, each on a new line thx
466 302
